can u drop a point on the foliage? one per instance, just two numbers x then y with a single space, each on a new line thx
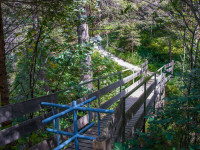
42 57
176 126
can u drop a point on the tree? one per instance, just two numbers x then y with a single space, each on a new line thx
4 91
83 39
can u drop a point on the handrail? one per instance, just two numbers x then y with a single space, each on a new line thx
145 94
139 85
92 81
74 108
144 81
16 110
168 65
117 125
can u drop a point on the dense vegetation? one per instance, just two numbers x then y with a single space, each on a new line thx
45 47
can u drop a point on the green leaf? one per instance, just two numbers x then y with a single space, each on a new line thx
151 119
30 49
19 53
169 137
17 34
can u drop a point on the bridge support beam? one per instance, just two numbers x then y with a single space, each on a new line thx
102 143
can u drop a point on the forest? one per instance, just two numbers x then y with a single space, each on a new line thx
48 46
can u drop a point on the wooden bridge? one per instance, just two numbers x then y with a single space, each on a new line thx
134 102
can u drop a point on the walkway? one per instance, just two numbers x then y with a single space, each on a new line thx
118 60
135 122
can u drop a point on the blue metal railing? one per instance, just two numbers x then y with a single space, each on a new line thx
74 108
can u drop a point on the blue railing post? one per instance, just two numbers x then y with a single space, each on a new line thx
57 128
89 113
54 126
98 117
74 108
75 125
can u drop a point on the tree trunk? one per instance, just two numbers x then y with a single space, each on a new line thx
83 36
4 91
43 77
3 74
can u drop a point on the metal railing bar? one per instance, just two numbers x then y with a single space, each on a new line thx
94 109
55 105
76 134
98 116
86 128
57 128
89 113
76 108
60 132
57 115
54 126
66 142
75 125
86 137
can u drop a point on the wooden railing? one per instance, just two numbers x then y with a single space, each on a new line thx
20 130
115 128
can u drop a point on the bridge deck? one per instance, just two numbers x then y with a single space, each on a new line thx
135 122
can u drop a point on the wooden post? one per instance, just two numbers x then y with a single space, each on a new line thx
133 76
102 143
146 61
120 77
161 83
123 120
164 86
145 97
172 67
155 92
107 40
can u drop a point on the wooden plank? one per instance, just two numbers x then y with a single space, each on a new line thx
111 127
140 72
135 75
117 97
139 123
114 127
51 142
168 65
169 69
106 89
135 107
12 111
145 63
50 98
165 66
120 95
135 122
15 132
